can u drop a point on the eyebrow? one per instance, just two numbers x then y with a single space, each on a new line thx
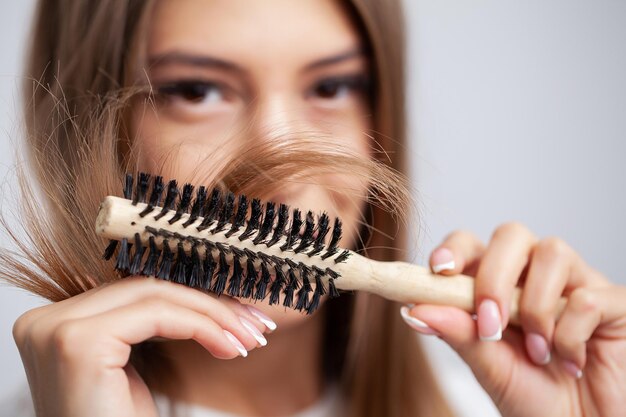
193 60
336 59
205 61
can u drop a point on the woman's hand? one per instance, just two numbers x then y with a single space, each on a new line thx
568 365
76 351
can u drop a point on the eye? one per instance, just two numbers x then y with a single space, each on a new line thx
194 92
331 89
340 87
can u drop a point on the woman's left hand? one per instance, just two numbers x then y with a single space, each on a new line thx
568 365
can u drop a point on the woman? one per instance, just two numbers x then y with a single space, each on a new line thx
225 76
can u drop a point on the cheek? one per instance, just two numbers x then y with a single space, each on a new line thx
183 151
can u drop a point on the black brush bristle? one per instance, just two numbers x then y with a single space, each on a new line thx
332 290
292 237
315 302
170 199
322 231
195 275
123 256
303 294
226 213
255 219
198 205
166 261
222 274
319 285
318 292
251 277
142 188
268 223
263 283
180 266
135 264
277 286
209 268
155 196
307 236
154 253
210 210
290 289
293 266
234 286
240 216
110 250
183 204
128 187
332 248
279 229
342 256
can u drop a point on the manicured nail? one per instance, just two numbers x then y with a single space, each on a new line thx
262 317
232 339
572 369
537 348
416 324
489 321
253 331
442 260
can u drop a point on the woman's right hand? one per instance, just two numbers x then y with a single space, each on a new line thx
76 351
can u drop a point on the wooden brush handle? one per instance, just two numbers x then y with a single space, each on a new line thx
408 283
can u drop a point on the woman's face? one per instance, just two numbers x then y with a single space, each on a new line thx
270 68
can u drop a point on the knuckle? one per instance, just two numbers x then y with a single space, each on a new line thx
511 228
460 235
27 328
21 328
160 311
154 287
67 339
553 248
155 307
584 301
537 318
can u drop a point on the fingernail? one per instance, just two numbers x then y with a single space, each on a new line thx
572 369
537 348
416 324
262 317
253 331
489 321
232 339
442 260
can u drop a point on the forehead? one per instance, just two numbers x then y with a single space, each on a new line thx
245 29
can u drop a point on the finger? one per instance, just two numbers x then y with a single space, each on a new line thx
456 254
135 323
141 395
500 268
489 361
548 276
586 310
225 310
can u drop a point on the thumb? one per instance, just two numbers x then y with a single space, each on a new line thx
491 362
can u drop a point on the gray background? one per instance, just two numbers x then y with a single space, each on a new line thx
518 112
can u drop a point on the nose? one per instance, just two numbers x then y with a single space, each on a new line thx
277 114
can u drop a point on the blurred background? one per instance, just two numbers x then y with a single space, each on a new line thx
517 112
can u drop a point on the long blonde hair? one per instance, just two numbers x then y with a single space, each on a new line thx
81 61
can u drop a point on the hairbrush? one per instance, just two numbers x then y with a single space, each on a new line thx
227 244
